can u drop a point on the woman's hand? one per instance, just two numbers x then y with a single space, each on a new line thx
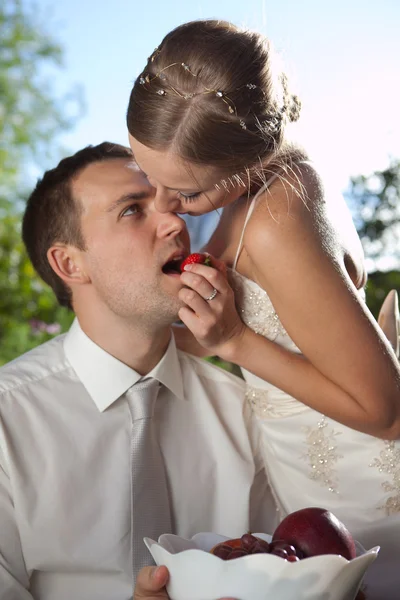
210 312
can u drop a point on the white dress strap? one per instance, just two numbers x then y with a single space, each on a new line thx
249 213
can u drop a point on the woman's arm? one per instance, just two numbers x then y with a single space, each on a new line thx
348 370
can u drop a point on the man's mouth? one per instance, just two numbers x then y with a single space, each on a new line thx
173 264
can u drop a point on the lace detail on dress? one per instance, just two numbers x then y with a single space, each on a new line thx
255 307
258 400
272 403
322 454
389 462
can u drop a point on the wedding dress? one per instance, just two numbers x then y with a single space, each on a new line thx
313 460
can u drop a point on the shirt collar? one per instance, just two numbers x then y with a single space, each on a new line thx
106 378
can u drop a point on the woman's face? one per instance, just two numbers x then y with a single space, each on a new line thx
184 187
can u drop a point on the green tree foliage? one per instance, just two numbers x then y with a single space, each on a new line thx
378 286
375 204
375 201
29 314
31 117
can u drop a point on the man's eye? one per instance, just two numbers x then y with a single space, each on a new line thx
189 197
133 209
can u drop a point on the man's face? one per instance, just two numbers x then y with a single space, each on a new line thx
129 243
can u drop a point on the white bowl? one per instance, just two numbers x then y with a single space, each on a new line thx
195 574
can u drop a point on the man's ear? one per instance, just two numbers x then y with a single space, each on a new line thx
66 262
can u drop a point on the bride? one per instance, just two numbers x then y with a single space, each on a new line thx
209 121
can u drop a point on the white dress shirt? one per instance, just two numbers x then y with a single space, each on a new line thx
65 482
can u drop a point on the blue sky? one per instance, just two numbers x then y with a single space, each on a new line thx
343 57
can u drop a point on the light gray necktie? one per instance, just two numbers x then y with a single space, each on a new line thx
151 514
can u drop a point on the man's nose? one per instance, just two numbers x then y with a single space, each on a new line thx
164 202
170 225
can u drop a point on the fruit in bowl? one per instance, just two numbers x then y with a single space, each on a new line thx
304 533
202 568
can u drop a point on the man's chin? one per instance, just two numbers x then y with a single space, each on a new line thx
171 316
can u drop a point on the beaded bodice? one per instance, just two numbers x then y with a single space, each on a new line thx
258 313
255 307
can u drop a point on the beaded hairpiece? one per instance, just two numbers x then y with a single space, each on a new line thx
143 79
273 122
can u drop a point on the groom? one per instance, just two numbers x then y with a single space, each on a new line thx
85 471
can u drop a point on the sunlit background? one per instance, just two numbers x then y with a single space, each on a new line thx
342 57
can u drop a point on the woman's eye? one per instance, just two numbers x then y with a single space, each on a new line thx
134 209
189 197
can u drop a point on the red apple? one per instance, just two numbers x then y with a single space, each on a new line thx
316 531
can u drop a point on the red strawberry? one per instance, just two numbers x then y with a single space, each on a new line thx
196 258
